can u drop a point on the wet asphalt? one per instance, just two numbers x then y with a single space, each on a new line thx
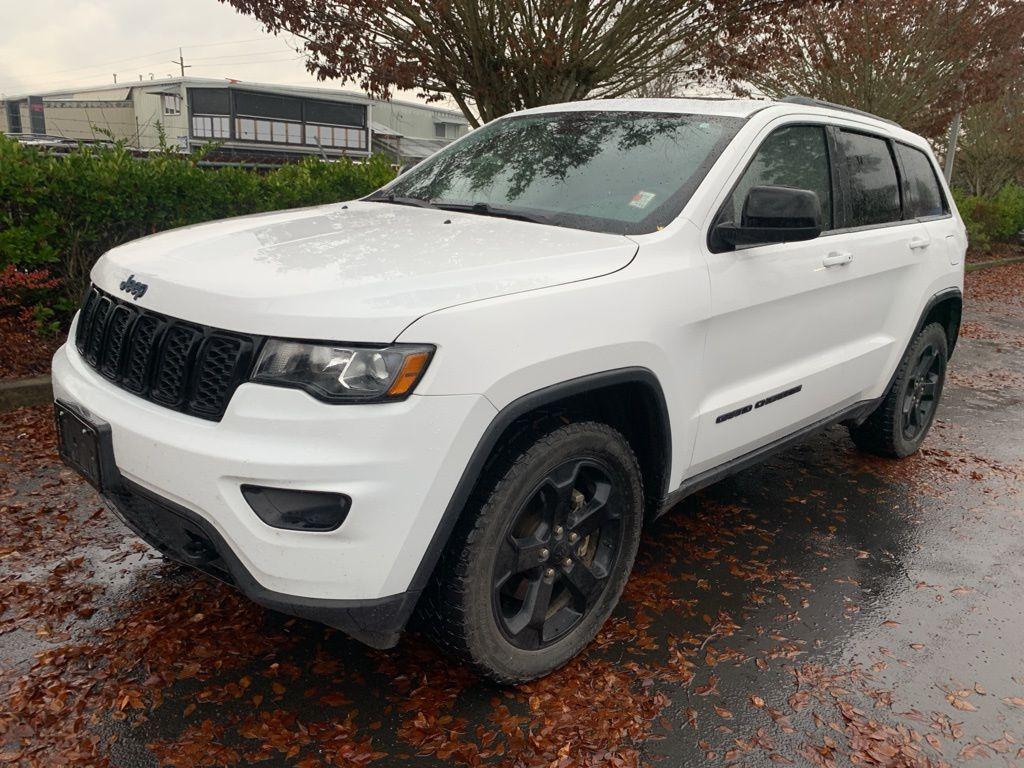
825 608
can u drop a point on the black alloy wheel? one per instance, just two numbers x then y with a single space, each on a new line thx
921 396
900 423
554 562
541 552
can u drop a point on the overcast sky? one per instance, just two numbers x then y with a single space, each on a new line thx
55 44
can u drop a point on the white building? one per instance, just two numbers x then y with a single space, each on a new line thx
249 122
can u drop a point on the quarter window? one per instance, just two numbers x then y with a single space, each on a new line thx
874 186
920 184
795 156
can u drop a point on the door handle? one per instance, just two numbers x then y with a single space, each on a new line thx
919 243
837 259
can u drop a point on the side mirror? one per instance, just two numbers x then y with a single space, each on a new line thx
774 215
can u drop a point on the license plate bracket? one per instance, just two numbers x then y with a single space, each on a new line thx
86 447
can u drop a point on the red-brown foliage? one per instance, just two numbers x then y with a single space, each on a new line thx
913 61
494 58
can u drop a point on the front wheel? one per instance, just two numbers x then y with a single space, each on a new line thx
541 557
900 423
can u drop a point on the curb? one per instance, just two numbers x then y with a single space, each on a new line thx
997 263
31 390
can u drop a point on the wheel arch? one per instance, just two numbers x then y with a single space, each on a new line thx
630 399
945 308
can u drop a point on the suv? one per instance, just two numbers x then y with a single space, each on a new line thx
463 395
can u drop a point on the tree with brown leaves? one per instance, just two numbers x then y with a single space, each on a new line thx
991 153
917 62
496 56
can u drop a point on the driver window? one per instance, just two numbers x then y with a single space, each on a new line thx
795 156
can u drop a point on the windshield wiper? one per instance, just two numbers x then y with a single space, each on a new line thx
391 197
486 209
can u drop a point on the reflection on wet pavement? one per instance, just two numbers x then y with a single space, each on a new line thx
822 609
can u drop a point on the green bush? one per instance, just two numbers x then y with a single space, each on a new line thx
995 219
62 213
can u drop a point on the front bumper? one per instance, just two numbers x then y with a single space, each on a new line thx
190 539
399 462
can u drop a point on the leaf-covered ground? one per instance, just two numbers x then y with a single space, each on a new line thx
25 352
825 609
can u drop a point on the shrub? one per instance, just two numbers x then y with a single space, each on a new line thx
994 219
62 212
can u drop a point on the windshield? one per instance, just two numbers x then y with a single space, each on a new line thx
621 172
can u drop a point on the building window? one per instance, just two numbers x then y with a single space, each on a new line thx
211 127
269 131
246 129
172 103
337 136
441 130
210 101
14 117
268 118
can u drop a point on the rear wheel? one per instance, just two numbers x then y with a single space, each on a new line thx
899 425
541 558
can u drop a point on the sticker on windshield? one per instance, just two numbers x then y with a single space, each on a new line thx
642 199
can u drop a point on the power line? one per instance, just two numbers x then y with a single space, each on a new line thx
249 63
238 55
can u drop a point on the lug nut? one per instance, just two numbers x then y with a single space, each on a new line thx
573 537
549 573
544 554
558 530
567 562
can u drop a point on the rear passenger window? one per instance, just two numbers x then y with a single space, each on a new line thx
874 186
796 156
921 187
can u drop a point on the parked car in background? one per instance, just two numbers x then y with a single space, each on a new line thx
464 395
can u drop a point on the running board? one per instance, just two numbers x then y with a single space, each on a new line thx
854 413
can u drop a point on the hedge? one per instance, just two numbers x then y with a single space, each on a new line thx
991 220
60 213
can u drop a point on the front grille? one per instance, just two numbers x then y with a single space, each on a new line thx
190 368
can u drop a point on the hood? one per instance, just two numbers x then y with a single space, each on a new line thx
359 271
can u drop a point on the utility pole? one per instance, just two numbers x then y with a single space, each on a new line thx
953 137
954 134
115 78
180 61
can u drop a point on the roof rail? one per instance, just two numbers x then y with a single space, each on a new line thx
807 101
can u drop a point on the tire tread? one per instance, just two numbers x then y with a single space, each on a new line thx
879 433
441 611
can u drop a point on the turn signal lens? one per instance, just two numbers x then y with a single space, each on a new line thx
410 373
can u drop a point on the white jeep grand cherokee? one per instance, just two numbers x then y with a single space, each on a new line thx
463 395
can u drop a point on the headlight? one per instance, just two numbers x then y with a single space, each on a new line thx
343 374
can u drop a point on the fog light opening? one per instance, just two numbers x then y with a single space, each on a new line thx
295 510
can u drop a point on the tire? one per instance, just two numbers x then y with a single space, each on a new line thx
555 517
901 422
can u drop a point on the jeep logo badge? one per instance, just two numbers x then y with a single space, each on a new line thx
134 287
